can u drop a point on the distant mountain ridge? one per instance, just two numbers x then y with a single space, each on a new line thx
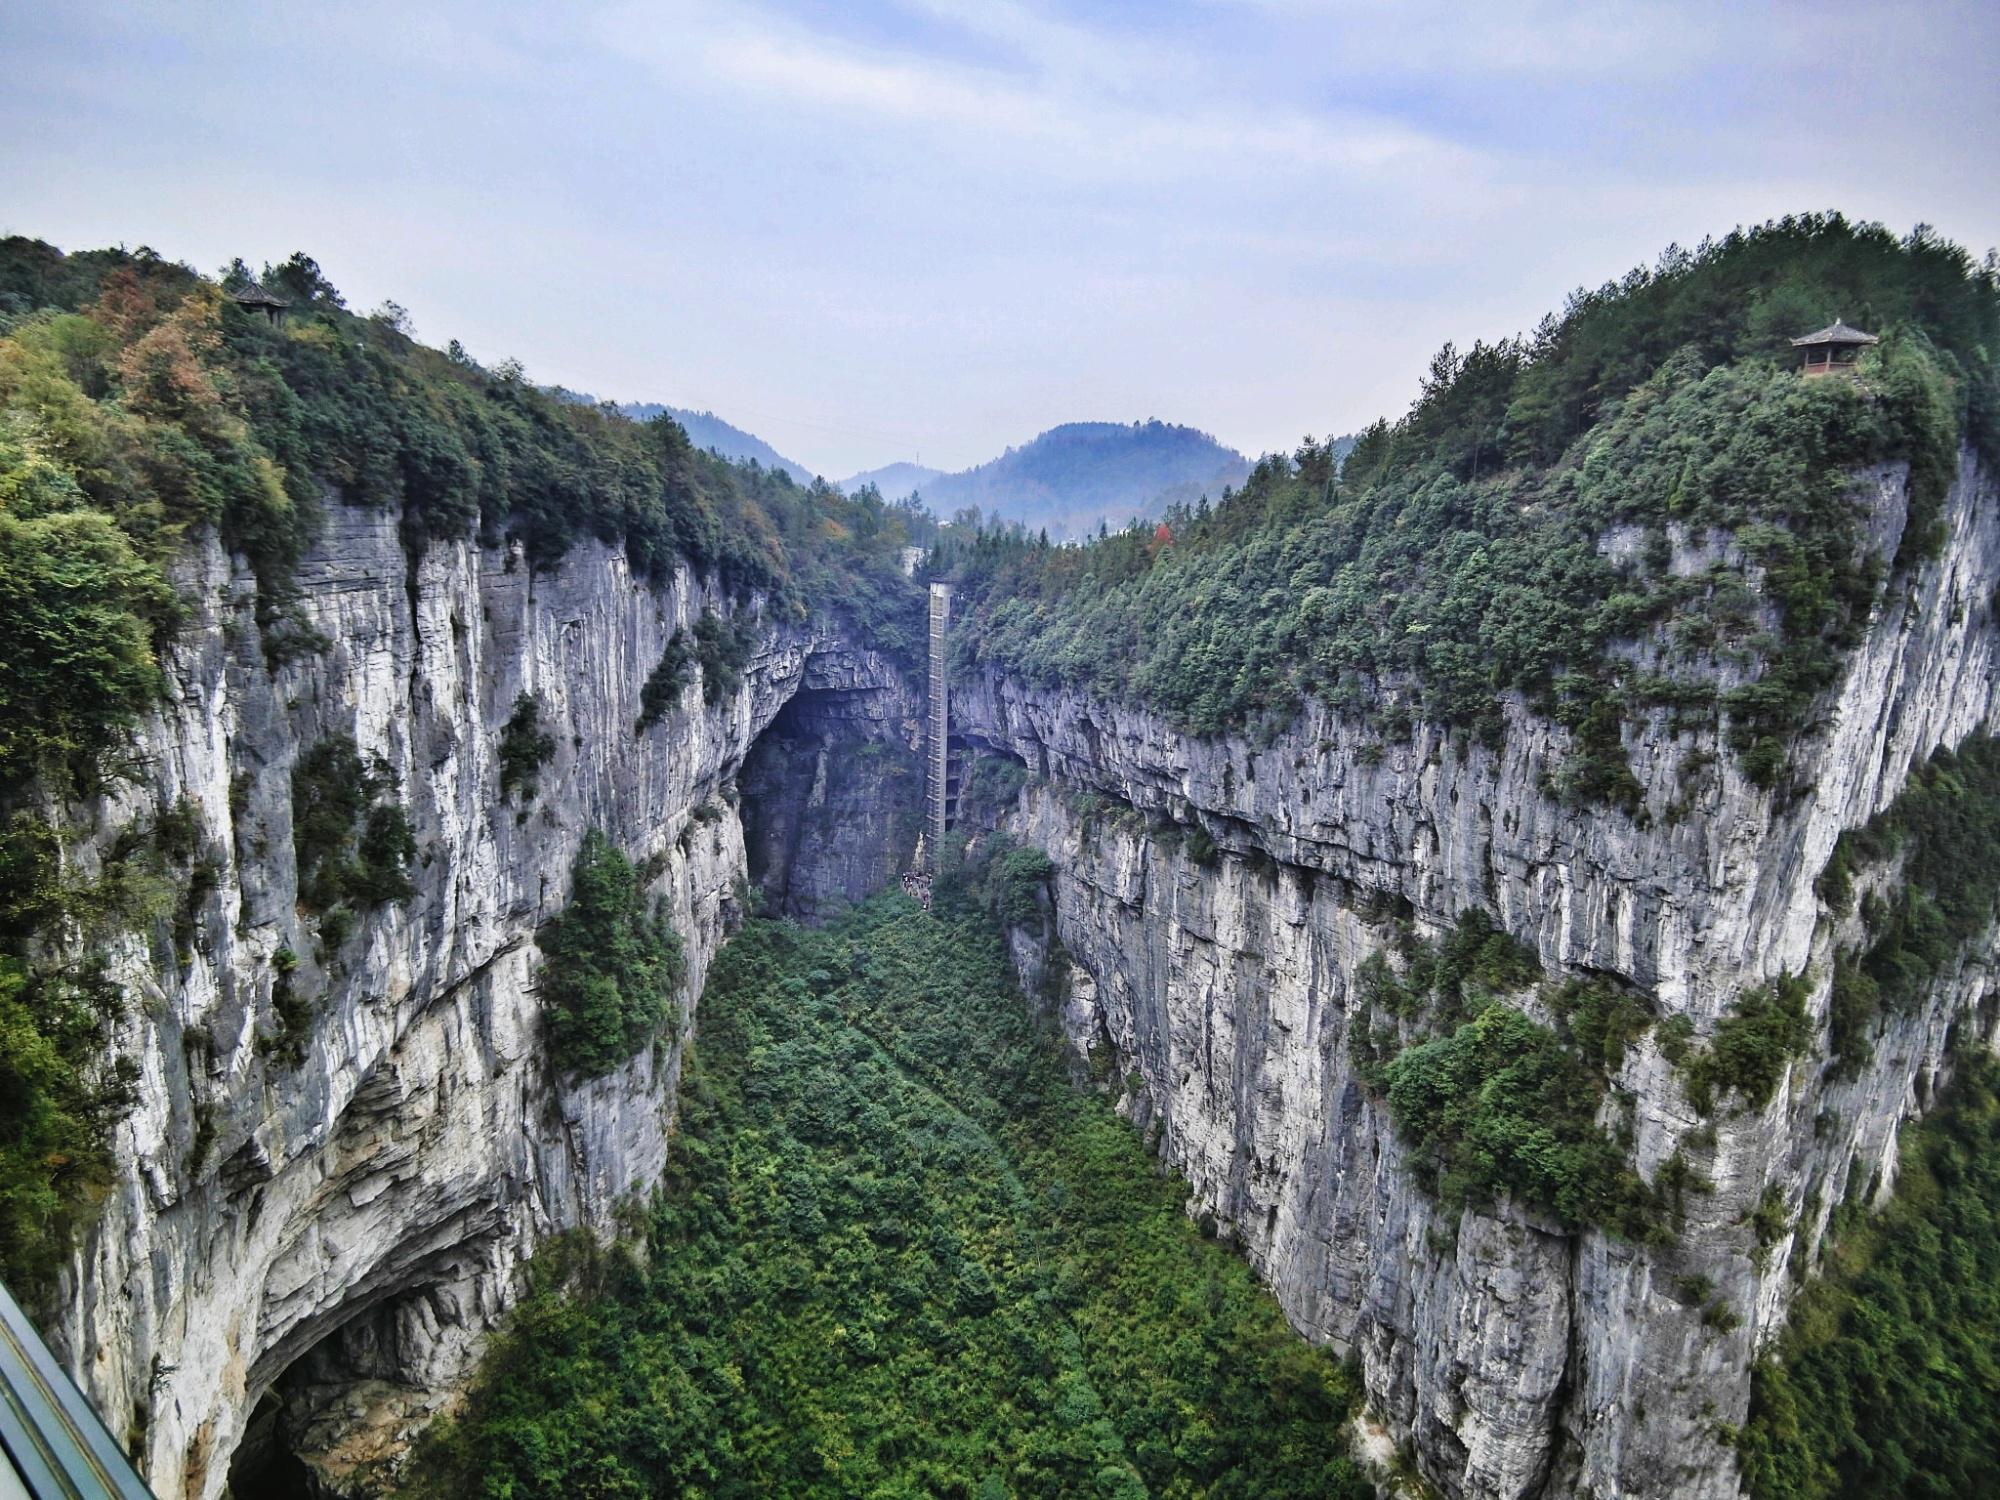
1072 477
706 430
1067 480
893 480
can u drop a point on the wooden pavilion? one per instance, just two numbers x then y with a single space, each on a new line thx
1833 349
254 299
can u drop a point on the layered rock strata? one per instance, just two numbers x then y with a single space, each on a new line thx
373 1203
1219 996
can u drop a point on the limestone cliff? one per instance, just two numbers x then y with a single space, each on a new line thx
1519 1358
831 801
348 1227
371 1206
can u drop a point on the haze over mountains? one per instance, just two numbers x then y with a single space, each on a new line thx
1067 480
894 480
706 430
1076 476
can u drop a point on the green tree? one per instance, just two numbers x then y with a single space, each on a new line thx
610 967
898 1255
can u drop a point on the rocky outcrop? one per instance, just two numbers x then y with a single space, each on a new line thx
1521 1359
832 800
371 1204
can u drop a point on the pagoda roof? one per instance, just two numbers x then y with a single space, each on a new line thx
1835 332
254 295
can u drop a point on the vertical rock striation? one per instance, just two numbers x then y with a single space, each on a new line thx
1520 1358
372 1205
358 1218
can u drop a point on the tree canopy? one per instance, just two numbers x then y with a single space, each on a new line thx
1513 533
898 1254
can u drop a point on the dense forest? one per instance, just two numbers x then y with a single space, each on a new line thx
1886 1384
1458 555
898 1254
140 406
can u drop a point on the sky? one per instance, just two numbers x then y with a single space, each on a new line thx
928 229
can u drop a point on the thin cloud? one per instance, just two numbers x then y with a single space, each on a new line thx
973 219
1613 38
1064 112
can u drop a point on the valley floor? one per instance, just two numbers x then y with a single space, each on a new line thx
898 1254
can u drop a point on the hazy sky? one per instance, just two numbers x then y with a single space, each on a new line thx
868 231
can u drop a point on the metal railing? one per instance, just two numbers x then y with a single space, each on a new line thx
57 1447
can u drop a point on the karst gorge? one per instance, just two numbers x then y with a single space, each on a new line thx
1462 965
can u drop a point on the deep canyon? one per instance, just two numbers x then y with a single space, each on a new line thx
1473 947
347 1231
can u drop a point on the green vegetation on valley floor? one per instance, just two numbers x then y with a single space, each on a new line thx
898 1255
1886 1382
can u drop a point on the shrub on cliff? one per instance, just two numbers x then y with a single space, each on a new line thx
1006 878
351 836
610 967
1492 1102
525 747
1752 1046
722 647
1501 1105
666 681
60 1085
58 1092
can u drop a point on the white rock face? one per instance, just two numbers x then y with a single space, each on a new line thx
376 1202
390 1187
1521 1359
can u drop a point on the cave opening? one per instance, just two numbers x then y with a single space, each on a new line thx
831 796
266 1464
336 1421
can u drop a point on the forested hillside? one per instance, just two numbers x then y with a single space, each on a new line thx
141 407
711 434
1461 553
899 1255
